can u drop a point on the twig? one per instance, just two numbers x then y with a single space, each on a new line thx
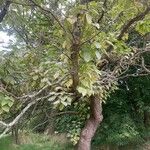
132 75
144 67
103 11
57 114
48 11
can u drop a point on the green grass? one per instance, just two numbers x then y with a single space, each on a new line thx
6 143
30 141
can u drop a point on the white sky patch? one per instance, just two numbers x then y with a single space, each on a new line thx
5 40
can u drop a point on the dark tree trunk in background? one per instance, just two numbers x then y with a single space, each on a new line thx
86 1
15 134
147 118
92 124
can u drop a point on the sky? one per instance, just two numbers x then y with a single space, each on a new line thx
4 40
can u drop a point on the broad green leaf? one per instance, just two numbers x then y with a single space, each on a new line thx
4 102
6 108
61 106
82 90
64 103
56 75
52 98
96 25
87 56
97 45
64 44
72 19
98 55
89 19
35 77
10 103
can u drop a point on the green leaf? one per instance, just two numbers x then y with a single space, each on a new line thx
110 43
61 106
35 77
82 90
96 25
52 98
4 102
89 19
97 45
98 55
87 56
71 20
6 108
10 103
56 75
64 103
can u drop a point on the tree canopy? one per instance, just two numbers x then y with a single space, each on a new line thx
67 53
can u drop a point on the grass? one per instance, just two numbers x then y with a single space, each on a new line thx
30 141
6 143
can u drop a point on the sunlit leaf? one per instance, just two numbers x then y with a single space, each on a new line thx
89 19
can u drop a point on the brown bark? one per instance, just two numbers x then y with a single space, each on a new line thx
132 21
92 124
15 134
75 49
75 66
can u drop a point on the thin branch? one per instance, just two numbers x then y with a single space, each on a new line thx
57 114
33 95
3 124
103 11
50 12
92 37
144 67
132 75
15 121
22 4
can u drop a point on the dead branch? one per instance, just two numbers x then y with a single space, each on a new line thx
144 67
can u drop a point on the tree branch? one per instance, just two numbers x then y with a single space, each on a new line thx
144 67
103 11
15 121
132 21
132 75
50 12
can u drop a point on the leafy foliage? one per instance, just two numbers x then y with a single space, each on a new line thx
75 51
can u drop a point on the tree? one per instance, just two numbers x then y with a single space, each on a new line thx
76 54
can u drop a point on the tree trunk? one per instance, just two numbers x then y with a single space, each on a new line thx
85 1
147 119
92 124
15 134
